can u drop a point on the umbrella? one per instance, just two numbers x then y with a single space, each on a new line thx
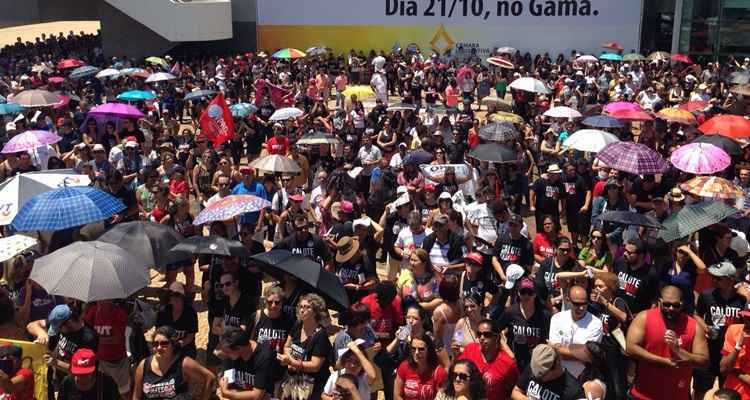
157 61
318 138
16 191
602 121
676 115
10 108
590 140
84 71
213 244
278 263
501 131
633 57
242 110
30 140
728 145
138 72
160 76
659 55
693 218
610 57
289 53
497 102
632 115
41 68
230 207
14 245
502 116
621 106
64 101
500 62
197 94
136 95
529 85
712 186
283 114
359 90
612 45
56 79
743 90
317 51
681 58
66 207
401 107
587 59
119 110
494 152
36 98
562 112
634 158
150 241
631 218
733 126
739 78
276 164
108 73
90 271
69 63
506 50
700 158
693 106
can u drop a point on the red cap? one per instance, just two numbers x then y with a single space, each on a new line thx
131 139
474 257
429 187
247 171
83 362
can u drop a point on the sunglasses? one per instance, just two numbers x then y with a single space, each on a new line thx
226 284
273 302
460 376
564 250
671 305
161 343
579 305
486 334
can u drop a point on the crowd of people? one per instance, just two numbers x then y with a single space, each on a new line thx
482 280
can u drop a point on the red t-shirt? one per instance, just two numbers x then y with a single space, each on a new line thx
420 387
384 320
28 392
500 374
179 187
741 363
278 147
108 324
543 246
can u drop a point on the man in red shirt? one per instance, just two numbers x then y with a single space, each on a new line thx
16 382
109 321
386 316
497 367
278 144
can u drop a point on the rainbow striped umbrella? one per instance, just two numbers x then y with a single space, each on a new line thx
230 207
289 53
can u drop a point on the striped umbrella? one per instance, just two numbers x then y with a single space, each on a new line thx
289 53
230 207
693 218
676 115
700 158
712 186
634 158
500 62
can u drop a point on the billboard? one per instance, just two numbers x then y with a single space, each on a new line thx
441 26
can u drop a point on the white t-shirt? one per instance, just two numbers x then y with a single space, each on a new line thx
368 156
563 330
479 215
41 155
362 385
408 241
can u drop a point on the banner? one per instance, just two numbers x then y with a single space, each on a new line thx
32 359
432 173
455 27
216 121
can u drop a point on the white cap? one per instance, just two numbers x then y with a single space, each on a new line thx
98 147
10 126
514 272
402 200
131 144
444 196
358 342
739 244
366 222
81 145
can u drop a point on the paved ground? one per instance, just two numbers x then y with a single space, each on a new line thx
30 32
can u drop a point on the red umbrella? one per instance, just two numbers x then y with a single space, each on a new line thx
733 126
682 58
612 45
632 115
693 106
70 63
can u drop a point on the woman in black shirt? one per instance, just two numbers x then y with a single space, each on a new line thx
181 317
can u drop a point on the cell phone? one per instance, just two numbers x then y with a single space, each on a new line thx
6 366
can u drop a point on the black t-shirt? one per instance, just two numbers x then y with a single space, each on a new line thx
185 324
575 192
311 247
514 251
524 334
609 322
356 272
548 195
241 313
546 277
639 287
316 345
256 372
104 388
456 151
566 387
272 332
68 343
480 286
718 313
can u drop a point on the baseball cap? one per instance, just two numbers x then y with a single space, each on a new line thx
543 359
246 171
740 245
10 126
722 269
235 337
513 273
440 219
429 187
366 222
474 257
297 197
131 144
347 207
83 362
445 196
401 190
516 219
98 147
402 200
57 317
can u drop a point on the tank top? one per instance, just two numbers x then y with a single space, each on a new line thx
204 181
171 385
657 381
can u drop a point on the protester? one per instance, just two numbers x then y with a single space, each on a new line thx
86 381
16 381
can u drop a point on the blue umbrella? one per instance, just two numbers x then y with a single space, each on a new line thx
602 121
84 71
242 110
66 207
136 95
197 94
10 108
610 57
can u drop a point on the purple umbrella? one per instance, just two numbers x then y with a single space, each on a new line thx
117 110
700 158
30 140
634 158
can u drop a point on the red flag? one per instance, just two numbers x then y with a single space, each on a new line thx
280 97
216 121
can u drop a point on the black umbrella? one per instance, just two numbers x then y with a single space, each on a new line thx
631 218
150 241
213 244
727 144
277 263
501 131
494 152
197 94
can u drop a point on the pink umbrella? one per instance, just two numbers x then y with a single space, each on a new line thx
119 110
64 101
56 79
700 158
30 140
622 105
632 115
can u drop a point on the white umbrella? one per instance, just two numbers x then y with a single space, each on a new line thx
36 98
108 73
530 85
587 58
562 112
15 192
283 114
14 245
160 76
276 164
590 140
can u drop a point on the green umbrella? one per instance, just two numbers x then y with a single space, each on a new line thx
693 218
633 57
